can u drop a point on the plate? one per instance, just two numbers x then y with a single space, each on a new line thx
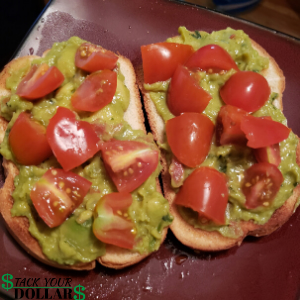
261 268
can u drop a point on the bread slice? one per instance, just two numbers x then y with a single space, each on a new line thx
114 257
212 240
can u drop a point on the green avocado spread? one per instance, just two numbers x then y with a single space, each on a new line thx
230 159
74 241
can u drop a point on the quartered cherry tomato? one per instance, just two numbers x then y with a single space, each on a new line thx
92 58
97 90
73 142
211 58
161 60
57 194
205 191
28 141
189 136
185 94
270 154
129 163
263 132
247 90
111 223
261 183
40 81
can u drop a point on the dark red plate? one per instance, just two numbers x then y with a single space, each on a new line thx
261 268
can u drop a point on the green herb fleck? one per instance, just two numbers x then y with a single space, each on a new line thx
196 35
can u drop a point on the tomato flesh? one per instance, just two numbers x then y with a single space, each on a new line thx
205 191
92 58
28 141
185 94
160 60
270 154
261 183
189 136
111 223
40 81
129 163
176 171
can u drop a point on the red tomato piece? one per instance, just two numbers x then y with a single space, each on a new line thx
189 137
205 191
72 142
176 171
28 141
40 81
112 224
185 94
228 128
270 154
261 183
57 194
246 90
263 132
211 58
92 58
160 60
129 163
97 90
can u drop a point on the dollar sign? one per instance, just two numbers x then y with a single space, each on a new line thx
9 283
77 289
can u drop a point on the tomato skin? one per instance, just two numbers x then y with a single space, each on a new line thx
111 223
97 90
212 58
261 183
205 191
194 131
185 94
40 81
57 194
160 60
92 58
129 163
246 90
270 154
72 142
263 132
28 142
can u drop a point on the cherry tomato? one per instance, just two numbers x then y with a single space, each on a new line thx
205 191
28 142
189 137
111 223
161 60
92 58
97 90
263 132
185 94
57 194
228 129
211 58
40 81
270 154
129 163
176 171
72 142
261 183
246 90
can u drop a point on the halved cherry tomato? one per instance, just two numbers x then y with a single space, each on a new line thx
263 132
176 171
40 81
246 90
185 94
228 128
212 58
57 194
189 137
205 191
97 90
270 154
92 58
28 142
161 60
72 142
111 223
261 183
